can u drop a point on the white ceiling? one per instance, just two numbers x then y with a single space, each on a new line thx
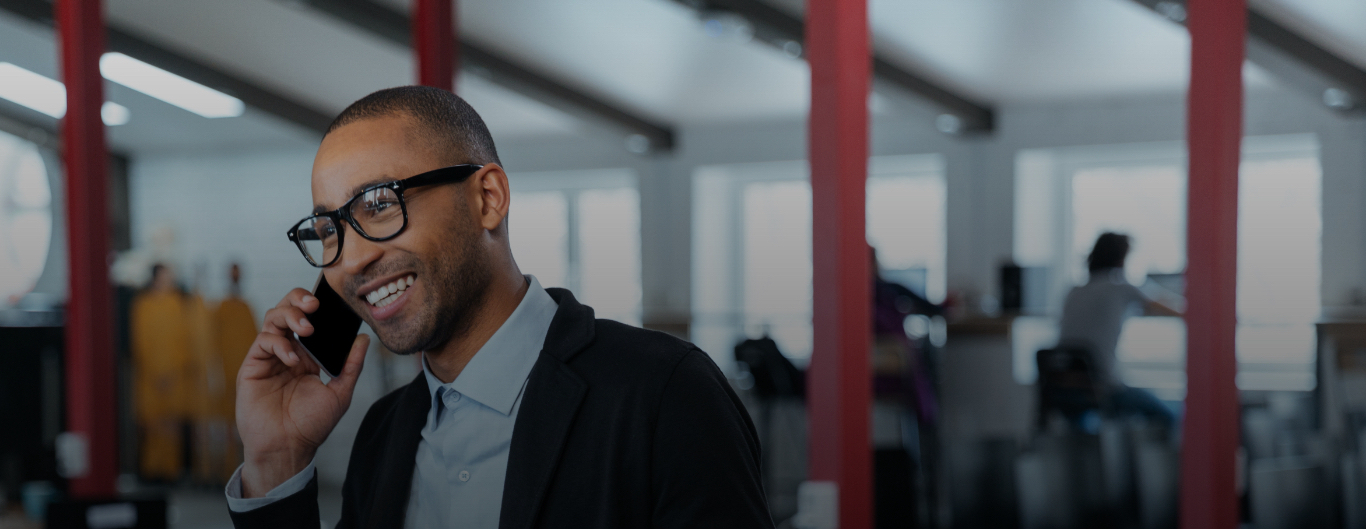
653 58
311 57
154 125
1337 25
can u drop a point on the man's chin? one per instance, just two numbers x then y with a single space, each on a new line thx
401 349
400 341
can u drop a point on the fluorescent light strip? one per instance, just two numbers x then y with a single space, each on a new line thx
114 114
32 90
169 87
48 95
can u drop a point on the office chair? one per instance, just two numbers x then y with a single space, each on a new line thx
1069 384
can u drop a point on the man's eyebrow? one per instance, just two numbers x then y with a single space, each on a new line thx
319 208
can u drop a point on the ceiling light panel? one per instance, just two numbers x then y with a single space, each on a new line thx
114 114
169 87
32 90
48 95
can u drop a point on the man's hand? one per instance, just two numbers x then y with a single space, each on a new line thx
284 411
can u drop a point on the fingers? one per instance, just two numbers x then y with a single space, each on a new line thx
300 298
355 361
284 319
274 346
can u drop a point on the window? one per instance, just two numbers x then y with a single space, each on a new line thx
25 217
581 231
1279 252
1141 190
752 235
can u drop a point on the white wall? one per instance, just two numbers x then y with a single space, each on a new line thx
226 207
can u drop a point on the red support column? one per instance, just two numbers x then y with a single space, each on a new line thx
90 393
434 42
838 50
1214 134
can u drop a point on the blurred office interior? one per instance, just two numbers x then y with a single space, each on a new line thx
658 156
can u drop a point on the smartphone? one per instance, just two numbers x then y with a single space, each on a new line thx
335 327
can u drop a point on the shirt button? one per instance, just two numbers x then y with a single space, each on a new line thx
464 475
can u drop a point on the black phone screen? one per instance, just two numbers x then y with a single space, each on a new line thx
335 327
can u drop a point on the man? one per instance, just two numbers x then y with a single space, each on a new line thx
528 413
1093 316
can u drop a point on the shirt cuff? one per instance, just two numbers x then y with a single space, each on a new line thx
291 486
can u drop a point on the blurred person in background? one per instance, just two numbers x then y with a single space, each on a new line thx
1093 317
905 404
161 352
903 372
236 327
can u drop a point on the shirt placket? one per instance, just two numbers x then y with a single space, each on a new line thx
457 471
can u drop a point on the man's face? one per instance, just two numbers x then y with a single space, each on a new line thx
419 288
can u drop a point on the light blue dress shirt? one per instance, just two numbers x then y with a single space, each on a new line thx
461 461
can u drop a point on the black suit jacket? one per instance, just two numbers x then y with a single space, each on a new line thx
619 428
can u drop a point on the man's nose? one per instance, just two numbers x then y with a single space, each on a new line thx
358 253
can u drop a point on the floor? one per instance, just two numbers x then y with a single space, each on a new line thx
192 508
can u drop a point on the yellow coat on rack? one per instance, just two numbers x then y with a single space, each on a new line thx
206 392
236 327
161 350
236 332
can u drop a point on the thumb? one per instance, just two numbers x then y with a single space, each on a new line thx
355 361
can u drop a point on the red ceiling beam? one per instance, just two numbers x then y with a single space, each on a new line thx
840 394
90 370
1213 134
434 42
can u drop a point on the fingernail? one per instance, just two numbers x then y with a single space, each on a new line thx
308 299
293 357
303 322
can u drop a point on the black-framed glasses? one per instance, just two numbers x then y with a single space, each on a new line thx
378 213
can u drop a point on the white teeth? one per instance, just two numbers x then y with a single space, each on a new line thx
387 294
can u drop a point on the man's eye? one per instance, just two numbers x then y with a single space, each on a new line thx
379 205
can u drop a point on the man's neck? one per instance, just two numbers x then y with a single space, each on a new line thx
500 301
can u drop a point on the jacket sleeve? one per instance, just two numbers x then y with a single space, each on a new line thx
296 510
705 453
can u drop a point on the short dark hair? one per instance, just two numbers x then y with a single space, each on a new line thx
457 130
1109 252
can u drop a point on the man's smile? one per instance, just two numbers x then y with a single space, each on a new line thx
386 294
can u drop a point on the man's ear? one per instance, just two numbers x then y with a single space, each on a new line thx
494 195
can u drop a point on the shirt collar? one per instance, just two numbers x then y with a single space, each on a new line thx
495 375
1108 275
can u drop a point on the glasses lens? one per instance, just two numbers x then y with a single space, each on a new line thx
318 239
378 212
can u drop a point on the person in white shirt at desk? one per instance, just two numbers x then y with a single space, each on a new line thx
1093 317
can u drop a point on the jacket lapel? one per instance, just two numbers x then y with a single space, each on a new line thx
551 400
394 474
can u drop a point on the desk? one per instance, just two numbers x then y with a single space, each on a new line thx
981 397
